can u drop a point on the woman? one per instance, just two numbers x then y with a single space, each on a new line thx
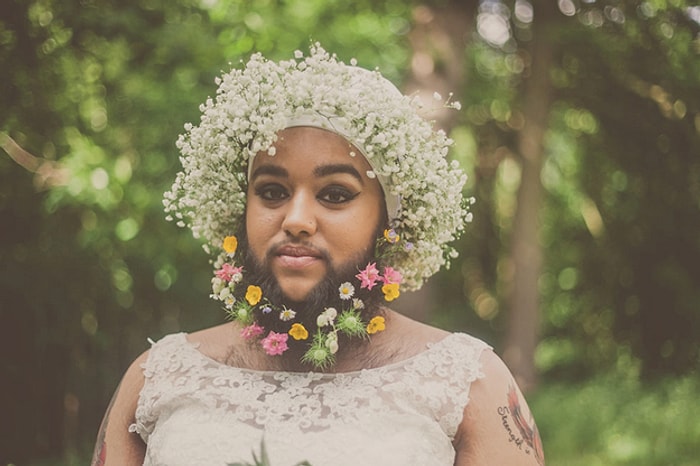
323 194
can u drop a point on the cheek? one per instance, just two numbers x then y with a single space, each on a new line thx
259 228
357 233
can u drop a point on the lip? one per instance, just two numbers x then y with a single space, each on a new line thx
296 257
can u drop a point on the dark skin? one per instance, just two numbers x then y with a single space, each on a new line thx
497 427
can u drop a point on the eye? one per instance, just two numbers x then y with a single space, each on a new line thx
337 195
271 192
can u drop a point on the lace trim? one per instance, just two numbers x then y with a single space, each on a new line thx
434 383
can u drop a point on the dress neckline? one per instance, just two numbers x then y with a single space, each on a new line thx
430 348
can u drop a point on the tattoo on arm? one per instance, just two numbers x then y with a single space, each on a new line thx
99 456
521 428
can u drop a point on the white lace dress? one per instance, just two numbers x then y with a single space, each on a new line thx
196 411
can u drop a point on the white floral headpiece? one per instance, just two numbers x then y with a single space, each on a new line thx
422 190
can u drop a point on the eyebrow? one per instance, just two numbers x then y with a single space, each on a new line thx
272 170
332 169
320 171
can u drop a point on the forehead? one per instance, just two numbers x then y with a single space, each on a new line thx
305 148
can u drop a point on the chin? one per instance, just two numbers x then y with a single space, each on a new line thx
295 291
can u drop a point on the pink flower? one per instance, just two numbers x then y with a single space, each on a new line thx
275 343
369 276
227 272
391 276
252 331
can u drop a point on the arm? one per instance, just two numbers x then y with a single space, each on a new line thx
497 427
115 444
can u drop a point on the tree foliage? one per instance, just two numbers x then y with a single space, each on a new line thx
97 91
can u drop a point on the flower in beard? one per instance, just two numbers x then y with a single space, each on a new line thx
229 273
377 324
391 291
230 244
275 343
252 331
350 323
298 332
287 314
346 291
391 276
253 294
369 276
327 317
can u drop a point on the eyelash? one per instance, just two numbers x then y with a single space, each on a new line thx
275 192
264 192
337 191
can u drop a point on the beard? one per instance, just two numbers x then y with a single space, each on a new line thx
324 295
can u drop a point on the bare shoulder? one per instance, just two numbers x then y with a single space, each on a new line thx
115 445
224 344
497 427
413 330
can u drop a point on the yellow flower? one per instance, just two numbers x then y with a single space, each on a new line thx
391 291
376 325
391 236
253 295
298 332
230 245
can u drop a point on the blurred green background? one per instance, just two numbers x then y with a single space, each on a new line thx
580 129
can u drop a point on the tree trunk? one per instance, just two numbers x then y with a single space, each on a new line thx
438 40
526 251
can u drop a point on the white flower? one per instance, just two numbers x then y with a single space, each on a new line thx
358 303
322 320
332 342
217 285
331 312
346 291
327 317
230 301
287 314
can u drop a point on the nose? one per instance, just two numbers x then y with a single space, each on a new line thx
300 218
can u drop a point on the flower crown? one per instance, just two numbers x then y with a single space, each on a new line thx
406 154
